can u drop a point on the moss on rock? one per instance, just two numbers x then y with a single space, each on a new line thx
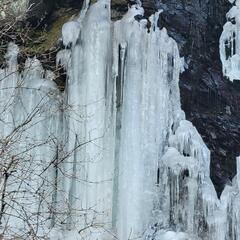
47 39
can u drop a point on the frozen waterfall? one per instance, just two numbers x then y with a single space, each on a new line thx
111 157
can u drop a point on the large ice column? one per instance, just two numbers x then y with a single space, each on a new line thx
230 43
142 96
89 169
8 87
147 67
29 154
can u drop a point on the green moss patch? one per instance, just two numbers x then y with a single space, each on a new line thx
46 40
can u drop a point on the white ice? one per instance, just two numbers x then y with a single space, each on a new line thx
116 157
229 44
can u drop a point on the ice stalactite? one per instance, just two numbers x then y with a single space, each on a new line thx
118 103
144 85
89 121
230 43
8 84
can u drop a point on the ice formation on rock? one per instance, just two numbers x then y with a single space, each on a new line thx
30 120
230 201
230 43
112 157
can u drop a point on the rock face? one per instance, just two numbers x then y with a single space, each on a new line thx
40 9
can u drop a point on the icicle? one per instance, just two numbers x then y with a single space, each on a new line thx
229 44
90 168
9 80
188 141
63 58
